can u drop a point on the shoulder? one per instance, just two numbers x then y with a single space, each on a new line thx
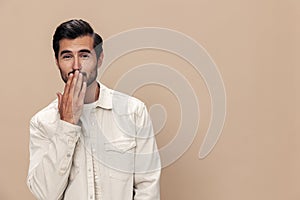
125 104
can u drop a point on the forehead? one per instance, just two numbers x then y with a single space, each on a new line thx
84 42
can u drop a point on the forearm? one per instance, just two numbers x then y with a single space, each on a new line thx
51 161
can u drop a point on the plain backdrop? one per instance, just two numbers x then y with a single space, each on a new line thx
255 44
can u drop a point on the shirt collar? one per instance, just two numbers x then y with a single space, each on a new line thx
105 97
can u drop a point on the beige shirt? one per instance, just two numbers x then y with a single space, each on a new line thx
110 155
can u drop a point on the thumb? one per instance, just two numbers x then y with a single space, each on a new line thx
59 98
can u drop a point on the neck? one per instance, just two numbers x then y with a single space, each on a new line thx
92 93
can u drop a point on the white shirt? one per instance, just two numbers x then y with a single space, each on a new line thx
110 155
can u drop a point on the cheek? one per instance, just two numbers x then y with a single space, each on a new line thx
88 64
66 64
64 70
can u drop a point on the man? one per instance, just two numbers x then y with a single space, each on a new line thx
91 142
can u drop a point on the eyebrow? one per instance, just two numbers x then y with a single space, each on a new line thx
80 51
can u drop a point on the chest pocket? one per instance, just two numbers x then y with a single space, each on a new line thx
120 158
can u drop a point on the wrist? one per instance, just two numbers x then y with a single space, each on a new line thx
71 121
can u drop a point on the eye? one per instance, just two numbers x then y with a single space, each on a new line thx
66 56
85 55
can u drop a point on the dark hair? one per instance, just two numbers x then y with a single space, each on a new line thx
75 28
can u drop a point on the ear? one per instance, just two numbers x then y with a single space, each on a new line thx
100 59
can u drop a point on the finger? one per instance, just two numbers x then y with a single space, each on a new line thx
72 88
82 92
67 89
78 86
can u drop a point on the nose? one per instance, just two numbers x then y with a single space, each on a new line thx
77 63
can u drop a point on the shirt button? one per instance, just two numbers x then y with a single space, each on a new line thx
90 170
68 155
70 141
91 196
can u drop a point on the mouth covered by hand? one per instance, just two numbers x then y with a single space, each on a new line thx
83 73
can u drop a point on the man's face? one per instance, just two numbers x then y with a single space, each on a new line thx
78 54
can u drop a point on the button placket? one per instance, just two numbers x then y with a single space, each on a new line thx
90 174
91 156
96 174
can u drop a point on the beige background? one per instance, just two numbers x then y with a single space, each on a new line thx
255 45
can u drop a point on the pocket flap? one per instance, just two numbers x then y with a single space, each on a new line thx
120 145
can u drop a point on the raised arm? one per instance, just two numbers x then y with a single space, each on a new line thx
53 140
